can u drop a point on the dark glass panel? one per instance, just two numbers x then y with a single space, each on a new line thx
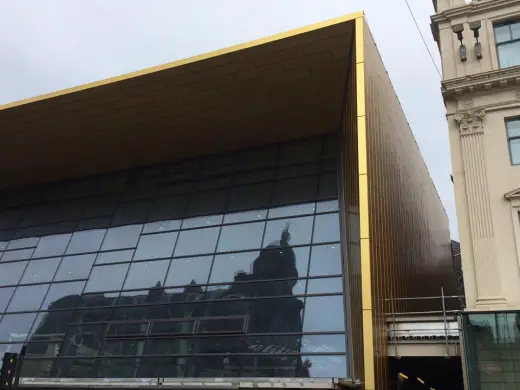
326 366
325 285
315 321
241 237
299 190
328 186
93 315
155 246
146 274
40 270
245 216
255 177
166 367
37 368
16 327
272 344
162 226
204 221
297 170
252 196
120 329
323 343
67 211
131 213
37 215
290 211
154 294
188 271
140 188
28 298
55 228
172 207
50 326
258 158
326 228
121 237
176 188
75 267
325 260
86 241
194 242
10 273
181 170
5 296
94 223
171 345
54 245
106 278
330 147
114 257
300 230
102 206
172 327
329 166
222 325
210 184
300 152
9 219
63 296
273 366
213 165
209 202
23 243
83 340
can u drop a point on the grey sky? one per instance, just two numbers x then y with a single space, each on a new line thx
51 45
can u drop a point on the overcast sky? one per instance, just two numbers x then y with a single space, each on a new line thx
50 45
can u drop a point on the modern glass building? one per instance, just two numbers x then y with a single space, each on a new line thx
244 213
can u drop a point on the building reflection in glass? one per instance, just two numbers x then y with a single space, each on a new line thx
223 270
493 341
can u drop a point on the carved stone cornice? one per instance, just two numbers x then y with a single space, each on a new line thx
470 121
486 81
515 194
473 8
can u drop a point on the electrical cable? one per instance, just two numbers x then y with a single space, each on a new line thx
422 37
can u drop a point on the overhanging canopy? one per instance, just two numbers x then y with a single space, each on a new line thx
281 87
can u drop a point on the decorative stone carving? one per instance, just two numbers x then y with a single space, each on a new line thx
470 121
467 103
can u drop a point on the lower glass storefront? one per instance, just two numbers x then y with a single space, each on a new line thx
223 266
492 350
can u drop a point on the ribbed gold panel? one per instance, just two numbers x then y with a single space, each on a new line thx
350 200
406 230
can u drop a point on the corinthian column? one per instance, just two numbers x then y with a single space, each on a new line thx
478 200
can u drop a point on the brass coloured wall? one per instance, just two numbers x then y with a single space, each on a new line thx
405 241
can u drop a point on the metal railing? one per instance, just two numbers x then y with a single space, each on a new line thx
449 332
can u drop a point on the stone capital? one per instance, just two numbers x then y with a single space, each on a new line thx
470 121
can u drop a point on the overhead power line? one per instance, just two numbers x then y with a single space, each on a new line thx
422 37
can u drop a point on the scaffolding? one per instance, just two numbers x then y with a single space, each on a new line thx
425 327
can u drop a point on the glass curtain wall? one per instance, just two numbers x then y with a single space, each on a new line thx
492 350
223 266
